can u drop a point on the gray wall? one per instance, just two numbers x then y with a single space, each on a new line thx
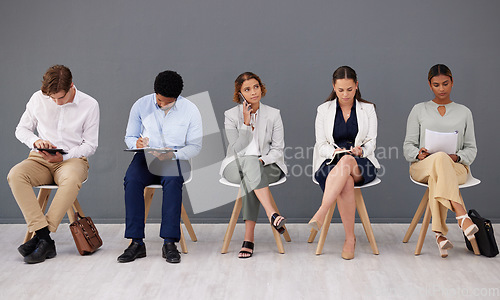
116 48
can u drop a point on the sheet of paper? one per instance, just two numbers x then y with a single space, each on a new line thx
441 141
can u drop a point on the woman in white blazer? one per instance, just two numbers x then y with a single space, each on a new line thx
344 122
255 152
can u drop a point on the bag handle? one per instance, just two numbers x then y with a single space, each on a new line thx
474 213
77 216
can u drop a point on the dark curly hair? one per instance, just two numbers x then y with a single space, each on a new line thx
169 84
239 82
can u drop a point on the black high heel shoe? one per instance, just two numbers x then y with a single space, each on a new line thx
280 226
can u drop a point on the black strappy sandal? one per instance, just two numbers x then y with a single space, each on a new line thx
249 245
280 226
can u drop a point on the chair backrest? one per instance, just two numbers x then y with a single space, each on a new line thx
371 183
471 181
225 182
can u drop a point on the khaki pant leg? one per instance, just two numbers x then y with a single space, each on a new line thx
68 175
33 171
443 177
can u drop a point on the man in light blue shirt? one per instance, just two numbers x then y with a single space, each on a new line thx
164 120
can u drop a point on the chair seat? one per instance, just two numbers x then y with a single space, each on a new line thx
471 181
52 186
226 182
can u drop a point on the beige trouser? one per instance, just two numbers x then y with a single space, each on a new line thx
443 176
35 171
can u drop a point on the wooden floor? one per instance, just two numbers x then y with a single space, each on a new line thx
204 273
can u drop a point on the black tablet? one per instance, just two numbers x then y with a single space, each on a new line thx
52 151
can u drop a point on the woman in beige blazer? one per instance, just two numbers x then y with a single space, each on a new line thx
255 152
344 122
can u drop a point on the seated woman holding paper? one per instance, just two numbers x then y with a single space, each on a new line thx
344 122
443 172
255 153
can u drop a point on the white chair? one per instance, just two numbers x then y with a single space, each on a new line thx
424 205
43 199
148 199
362 213
236 213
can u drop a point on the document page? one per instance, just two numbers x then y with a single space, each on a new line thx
441 141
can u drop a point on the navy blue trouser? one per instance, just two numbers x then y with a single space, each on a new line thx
136 179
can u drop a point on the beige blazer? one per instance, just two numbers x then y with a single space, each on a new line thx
367 129
271 135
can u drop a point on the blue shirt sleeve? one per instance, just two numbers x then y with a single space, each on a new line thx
134 126
194 137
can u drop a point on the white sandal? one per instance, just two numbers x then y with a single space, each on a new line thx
469 231
443 246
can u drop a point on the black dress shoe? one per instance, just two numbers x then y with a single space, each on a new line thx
134 250
28 247
44 250
169 251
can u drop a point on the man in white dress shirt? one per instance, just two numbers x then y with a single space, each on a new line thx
56 117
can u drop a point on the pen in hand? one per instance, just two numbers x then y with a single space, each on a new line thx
142 142
364 143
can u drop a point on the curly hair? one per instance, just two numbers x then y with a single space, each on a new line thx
169 84
239 82
57 78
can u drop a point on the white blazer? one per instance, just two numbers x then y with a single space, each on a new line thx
271 135
367 129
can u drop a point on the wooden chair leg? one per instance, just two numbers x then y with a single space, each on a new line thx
187 223
365 220
277 236
475 247
43 198
423 230
312 236
417 216
473 243
324 229
78 208
182 242
148 199
286 235
73 209
232 223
